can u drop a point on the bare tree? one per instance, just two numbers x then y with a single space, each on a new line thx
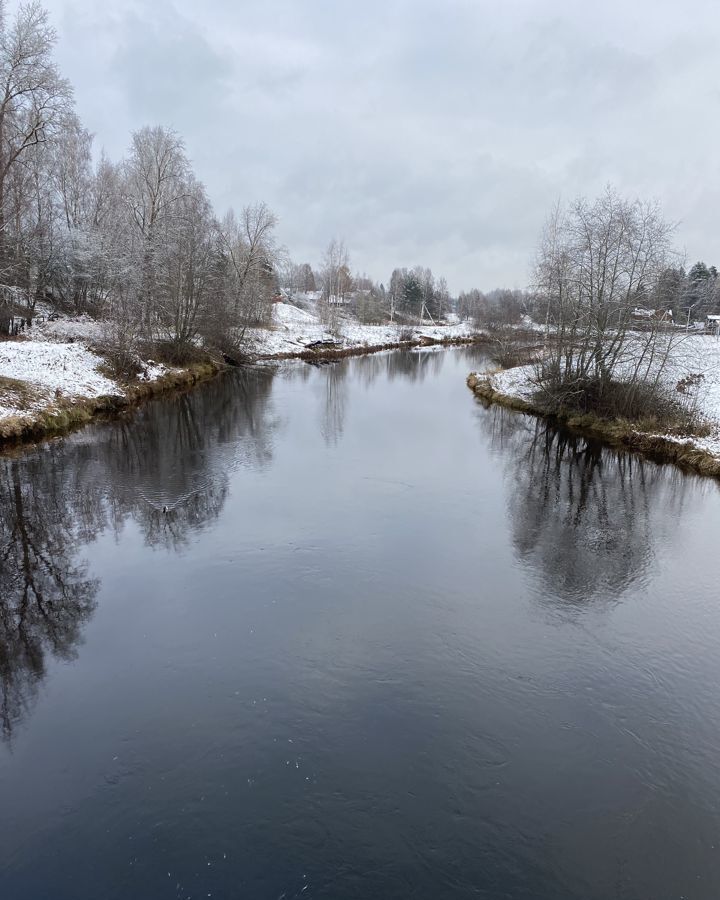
442 298
252 254
595 261
185 268
336 282
155 184
34 104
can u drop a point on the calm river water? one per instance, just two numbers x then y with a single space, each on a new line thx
383 643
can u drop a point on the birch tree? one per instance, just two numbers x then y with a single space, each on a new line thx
335 280
185 269
155 184
251 252
35 102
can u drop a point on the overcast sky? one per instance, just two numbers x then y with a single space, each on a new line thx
433 132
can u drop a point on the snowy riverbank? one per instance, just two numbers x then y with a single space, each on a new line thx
695 357
293 329
54 367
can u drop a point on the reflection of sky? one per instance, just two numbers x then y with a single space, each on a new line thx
353 666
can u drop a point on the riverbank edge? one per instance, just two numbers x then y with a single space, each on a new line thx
615 433
330 353
68 415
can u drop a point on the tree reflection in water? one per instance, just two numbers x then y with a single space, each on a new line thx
167 469
411 365
585 519
45 592
332 421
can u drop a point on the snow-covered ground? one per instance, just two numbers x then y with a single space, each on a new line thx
51 368
70 368
76 327
694 354
55 356
293 328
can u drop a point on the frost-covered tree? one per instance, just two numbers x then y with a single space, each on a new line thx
595 261
251 255
702 290
336 281
155 183
185 268
35 103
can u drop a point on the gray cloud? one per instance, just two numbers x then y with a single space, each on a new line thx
422 131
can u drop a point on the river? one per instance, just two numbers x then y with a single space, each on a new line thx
342 632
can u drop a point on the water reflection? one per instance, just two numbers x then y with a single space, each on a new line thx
45 592
335 405
167 469
585 520
411 365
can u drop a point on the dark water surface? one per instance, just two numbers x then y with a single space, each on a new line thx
384 643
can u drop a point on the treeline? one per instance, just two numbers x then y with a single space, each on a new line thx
136 241
674 294
411 295
499 307
690 295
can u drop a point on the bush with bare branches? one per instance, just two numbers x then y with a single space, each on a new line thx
597 261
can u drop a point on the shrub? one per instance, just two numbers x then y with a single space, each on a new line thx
652 406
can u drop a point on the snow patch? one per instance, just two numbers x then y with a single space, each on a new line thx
49 367
294 328
697 355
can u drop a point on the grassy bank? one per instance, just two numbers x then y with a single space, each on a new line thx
615 433
68 414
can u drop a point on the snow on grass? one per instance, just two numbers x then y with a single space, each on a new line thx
697 355
57 357
294 328
152 371
48 367
19 398
291 331
516 382
76 327
287 315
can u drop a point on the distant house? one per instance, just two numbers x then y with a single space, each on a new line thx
339 299
641 314
712 324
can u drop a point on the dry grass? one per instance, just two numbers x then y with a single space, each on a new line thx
66 415
648 406
618 433
19 394
171 353
509 354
